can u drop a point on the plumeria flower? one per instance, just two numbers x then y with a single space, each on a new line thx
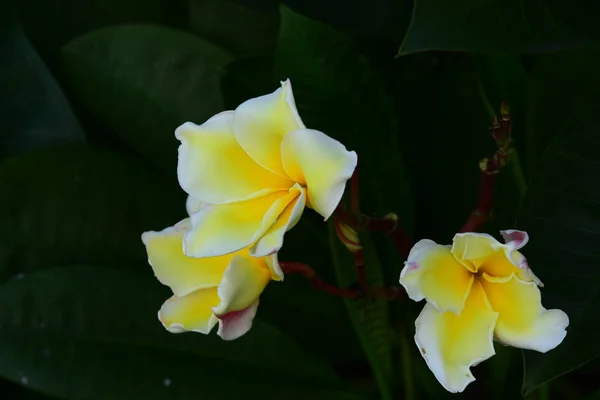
476 290
254 170
223 289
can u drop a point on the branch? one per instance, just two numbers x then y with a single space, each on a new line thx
386 293
490 167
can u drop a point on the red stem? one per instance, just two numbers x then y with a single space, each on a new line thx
482 212
389 293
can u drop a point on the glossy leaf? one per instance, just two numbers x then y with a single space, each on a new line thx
144 81
34 112
561 212
495 26
240 29
338 92
81 205
52 24
92 332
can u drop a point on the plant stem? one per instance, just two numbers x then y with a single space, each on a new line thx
383 293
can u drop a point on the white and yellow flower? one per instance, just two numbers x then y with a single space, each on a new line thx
254 170
476 290
223 289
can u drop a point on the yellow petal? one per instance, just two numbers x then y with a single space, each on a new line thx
274 267
272 240
192 312
320 163
223 229
431 272
482 252
260 124
523 322
213 167
174 269
451 344
243 281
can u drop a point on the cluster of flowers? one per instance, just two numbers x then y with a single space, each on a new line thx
250 173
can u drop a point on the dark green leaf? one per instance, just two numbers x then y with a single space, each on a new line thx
301 310
92 332
81 205
496 26
370 317
245 32
144 81
246 78
561 212
445 126
52 24
33 110
339 93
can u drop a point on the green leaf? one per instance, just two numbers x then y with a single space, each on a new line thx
338 92
370 317
35 113
245 78
52 24
81 205
445 125
301 310
561 212
246 32
92 332
144 81
500 26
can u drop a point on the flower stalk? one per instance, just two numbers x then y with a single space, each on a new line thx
500 131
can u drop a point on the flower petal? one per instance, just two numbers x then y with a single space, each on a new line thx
192 312
451 344
482 252
320 163
223 229
274 267
174 269
213 167
431 272
523 322
237 323
272 240
243 281
192 205
260 124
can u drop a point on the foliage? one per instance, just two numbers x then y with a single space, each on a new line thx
92 92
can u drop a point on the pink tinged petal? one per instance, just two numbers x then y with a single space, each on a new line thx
192 312
243 282
432 273
482 252
451 344
272 240
223 229
321 163
236 323
261 123
174 269
516 240
523 322
212 166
